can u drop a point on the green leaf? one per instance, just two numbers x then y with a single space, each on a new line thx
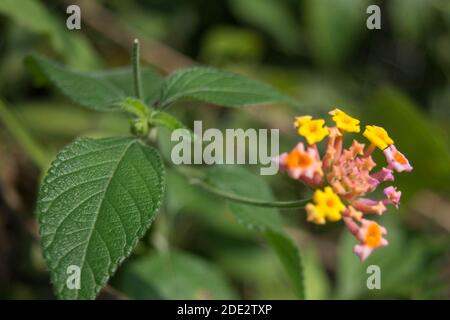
98 198
175 275
161 118
266 220
123 78
136 107
166 120
81 88
289 257
317 283
218 87
102 91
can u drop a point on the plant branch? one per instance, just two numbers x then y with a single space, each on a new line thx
32 148
155 53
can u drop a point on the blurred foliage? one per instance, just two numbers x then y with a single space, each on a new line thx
320 53
35 18
180 276
391 107
283 27
412 274
334 27
224 44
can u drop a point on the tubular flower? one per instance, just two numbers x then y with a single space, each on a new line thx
370 236
369 206
344 121
301 120
396 160
392 195
314 214
313 130
302 163
329 202
345 176
384 174
328 206
378 136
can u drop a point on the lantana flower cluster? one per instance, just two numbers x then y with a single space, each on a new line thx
342 177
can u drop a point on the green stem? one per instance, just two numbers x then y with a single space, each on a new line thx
294 204
32 148
136 69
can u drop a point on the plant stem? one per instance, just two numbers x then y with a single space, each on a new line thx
135 60
294 204
25 140
116 294
196 177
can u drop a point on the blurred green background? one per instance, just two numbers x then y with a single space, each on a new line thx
318 51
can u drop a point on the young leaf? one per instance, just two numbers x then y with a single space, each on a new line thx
164 119
218 87
98 198
265 220
174 275
103 91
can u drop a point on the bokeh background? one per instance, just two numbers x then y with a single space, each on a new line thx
318 51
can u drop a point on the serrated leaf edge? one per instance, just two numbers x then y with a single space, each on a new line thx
140 233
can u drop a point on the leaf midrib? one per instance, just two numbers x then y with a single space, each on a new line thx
108 183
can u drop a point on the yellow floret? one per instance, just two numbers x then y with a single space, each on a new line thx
313 130
344 121
378 136
301 120
329 203
314 214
